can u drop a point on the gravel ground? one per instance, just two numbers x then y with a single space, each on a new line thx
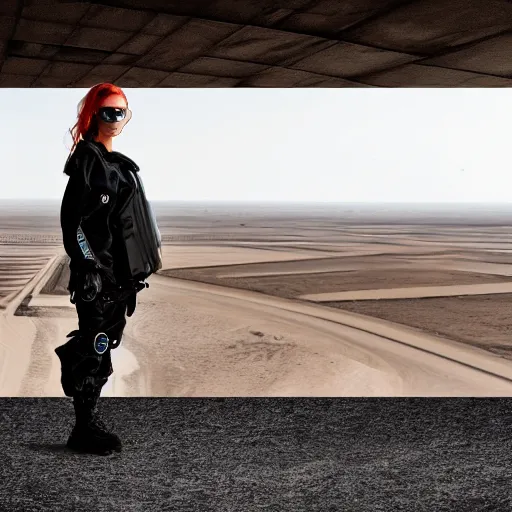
263 454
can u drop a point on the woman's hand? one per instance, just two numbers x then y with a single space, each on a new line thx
90 286
90 281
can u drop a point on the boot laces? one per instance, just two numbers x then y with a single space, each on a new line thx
98 424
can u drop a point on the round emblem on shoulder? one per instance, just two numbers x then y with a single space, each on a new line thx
104 198
101 343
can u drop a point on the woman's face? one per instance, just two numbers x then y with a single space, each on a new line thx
112 129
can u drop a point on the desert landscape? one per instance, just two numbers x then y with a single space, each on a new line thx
280 300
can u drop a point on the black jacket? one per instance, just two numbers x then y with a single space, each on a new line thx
106 220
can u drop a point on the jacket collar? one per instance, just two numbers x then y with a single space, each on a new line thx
108 155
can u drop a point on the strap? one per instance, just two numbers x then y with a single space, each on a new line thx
122 293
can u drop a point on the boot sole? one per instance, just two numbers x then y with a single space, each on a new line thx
93 450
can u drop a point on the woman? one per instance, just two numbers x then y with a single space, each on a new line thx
110 235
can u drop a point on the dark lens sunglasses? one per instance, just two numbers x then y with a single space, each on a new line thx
111 114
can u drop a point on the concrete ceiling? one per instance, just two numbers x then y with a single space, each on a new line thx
256 43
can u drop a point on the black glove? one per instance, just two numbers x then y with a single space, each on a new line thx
131 304
90 286
90 280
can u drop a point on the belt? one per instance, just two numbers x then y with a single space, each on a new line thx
119 293
123 292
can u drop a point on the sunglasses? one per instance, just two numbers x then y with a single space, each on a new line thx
111 114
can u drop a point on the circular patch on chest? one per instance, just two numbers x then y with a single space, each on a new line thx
104 198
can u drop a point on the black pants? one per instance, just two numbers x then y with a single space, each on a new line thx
80 363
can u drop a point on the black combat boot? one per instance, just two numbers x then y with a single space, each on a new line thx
90 434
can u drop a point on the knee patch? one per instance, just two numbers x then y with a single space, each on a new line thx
100 343
84 356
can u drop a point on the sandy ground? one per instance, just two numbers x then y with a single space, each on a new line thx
240 343
412 292
331 283
18 265
243 329
176 256
480 320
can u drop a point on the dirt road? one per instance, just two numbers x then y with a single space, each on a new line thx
194 339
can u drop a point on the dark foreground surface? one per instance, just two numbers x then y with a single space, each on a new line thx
263 454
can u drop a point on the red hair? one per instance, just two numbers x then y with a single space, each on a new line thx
88 107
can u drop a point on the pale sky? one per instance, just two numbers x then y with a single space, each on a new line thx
382 145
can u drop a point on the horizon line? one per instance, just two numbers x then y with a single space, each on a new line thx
259 201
